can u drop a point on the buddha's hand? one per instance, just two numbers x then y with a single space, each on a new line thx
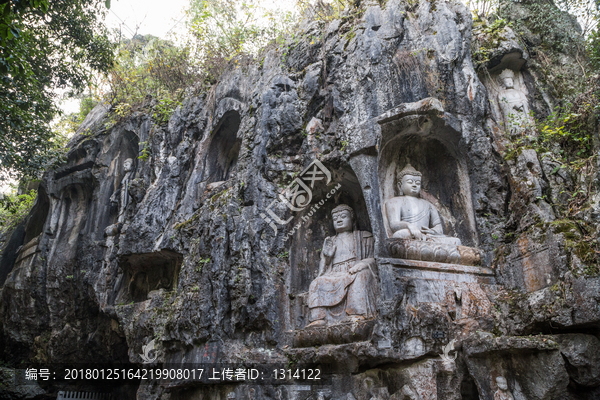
328 248
428 231
357 267
415 231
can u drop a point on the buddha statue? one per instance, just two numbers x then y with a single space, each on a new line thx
121 198
502 393
344 288
410 217
513 103
123 193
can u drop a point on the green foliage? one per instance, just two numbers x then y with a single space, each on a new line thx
226 29
148 66
569 131
201 263
565 129
9 17
335 9
43 46
164 109
14 208
86 105
145 153
486 38
567 138
283 254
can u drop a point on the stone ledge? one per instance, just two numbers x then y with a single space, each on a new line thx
483 343
347 332
435 266
436 252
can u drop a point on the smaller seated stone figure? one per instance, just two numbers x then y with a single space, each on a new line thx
502 393
410 217
344 288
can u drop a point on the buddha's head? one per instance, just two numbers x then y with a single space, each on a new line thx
409 182
128 165
508 78
501 382
343 218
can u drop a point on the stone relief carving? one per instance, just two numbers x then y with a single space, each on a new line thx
411 217
124 193
345 287
502 393
123 198
415 227
513 104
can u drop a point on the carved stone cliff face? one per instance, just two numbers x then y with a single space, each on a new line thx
176 249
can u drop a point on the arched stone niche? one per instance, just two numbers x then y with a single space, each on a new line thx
432 147
145 272
221 159
509 102
310 228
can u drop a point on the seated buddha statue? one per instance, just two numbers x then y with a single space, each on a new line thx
411 217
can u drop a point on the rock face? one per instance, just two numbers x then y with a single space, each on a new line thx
213 251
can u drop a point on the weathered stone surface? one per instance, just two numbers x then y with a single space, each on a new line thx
12 388
582 355
190 261
334 334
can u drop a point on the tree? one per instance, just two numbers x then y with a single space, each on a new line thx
224 29
44 45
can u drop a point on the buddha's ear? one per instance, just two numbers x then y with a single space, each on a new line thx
400 192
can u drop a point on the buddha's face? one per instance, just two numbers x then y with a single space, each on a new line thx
410 185
128 164
342 221
508 82
501 382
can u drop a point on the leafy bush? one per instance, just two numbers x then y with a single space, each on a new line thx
486 38
14 208
225 29
570 130
44 45
148 66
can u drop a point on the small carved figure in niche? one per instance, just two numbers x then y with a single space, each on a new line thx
124 192
502 393
345 287
513 103
410 217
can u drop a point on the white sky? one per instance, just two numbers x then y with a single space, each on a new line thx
164 19
147 16
154 17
